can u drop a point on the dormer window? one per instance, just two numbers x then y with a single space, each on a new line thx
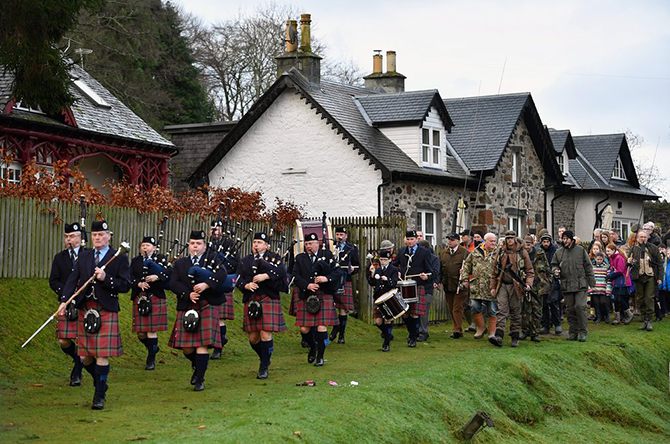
21 106
563 162
618 172
430 147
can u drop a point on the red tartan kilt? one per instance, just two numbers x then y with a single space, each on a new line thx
345 301
207 334
66 329
227 309
419 308
107 341
272 318
294 301
326 316
157 319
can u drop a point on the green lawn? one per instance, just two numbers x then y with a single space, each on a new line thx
612 389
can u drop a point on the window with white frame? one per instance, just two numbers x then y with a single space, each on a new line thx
621 227
10 172
515 167
431 147
618 172
426 221
515 223
561 163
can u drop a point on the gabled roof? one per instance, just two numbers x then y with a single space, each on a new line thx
484 126
115 120
337 105
601 152
410 107
584 177
562 140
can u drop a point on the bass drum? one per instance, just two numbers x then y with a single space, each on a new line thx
305 227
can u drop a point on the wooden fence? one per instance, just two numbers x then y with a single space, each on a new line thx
30 237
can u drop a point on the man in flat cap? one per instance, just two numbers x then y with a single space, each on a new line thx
61 267
98 335
452 258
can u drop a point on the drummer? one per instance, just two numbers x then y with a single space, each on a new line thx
384 278
414 263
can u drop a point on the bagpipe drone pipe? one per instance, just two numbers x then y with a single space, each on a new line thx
151 266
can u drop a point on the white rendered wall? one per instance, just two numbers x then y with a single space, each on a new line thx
291 153
585 211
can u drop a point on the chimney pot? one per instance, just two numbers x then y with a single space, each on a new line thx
390 61
377 62
305 38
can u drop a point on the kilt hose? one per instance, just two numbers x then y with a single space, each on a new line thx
272 318
326 316
227 309
208 333
66 329
155 321
295 296
345 301
419 308
107 341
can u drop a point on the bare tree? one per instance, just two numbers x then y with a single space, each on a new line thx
647 172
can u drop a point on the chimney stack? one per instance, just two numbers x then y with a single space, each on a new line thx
301 58
390 81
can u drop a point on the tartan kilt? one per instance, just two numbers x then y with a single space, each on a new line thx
345 301
272 318
227 309
419 308
208 333
326 316
295 292
157 319
66 329
107 341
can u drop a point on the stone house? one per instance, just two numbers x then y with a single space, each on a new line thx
98 134
600 172
382 150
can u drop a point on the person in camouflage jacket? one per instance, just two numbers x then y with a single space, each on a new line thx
531 307
476 275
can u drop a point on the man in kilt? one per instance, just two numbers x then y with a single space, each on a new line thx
98 335
316 275
196 281
414 260
383 278
149 278
230 258
344 298
61 267
262 276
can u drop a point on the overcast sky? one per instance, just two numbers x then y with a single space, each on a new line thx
594 67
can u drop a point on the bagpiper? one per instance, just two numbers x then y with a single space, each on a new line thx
61 268
150 276
261 278
348 259
196 281
98 334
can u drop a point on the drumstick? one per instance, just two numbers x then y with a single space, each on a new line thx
417 275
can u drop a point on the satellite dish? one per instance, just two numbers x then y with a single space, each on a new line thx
292 35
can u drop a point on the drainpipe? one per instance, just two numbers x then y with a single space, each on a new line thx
553 219
595 225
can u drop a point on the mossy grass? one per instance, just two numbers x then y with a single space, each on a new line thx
611 389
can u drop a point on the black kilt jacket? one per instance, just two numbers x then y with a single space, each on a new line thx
271 264
181 285
420 263
61 267
137 273
381 286
117 279
304 272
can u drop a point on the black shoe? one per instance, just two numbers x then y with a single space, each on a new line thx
535 339
262 373
304 344
319 362
582 337
311 356
194 378
386 347
98 402
411 343
75 376
340 340
216 354
151 365
456 335
422 337
523 336
496 340
515 343
199 385
572 337
558 330
333 335
544 331
224 341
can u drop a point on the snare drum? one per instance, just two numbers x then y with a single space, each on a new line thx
408 291
391 305
305 227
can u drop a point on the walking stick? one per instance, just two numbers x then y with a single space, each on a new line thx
125 246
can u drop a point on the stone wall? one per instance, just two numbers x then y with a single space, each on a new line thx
564 213
406 197
500 197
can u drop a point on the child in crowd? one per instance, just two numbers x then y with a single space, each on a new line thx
621 284
600 294
664 288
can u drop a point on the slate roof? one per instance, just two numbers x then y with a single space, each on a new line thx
562 139
117 120
338 104
484 126
404 107
584 176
